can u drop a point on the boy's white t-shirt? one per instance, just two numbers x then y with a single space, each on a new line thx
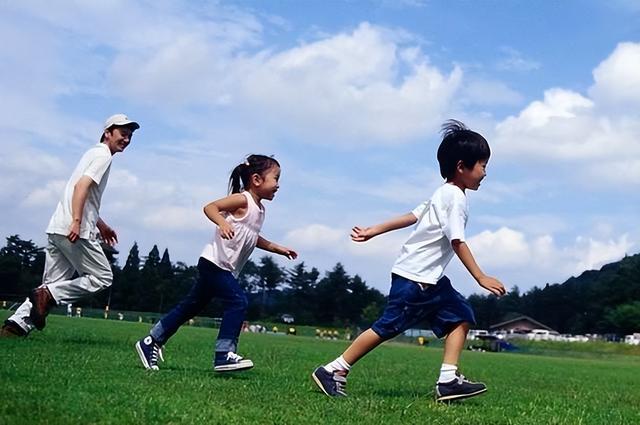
428 250
95 163
232 254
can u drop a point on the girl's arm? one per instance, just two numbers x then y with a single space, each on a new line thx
489 283
276 249
361 234
233 204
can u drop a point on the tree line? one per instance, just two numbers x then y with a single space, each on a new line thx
597 301
152 283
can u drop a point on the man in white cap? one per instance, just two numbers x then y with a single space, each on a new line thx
73 232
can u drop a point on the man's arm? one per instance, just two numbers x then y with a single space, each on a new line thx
489 283
78 199
361 234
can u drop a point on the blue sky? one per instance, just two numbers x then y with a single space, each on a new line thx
349 96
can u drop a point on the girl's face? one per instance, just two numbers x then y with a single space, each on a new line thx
266 185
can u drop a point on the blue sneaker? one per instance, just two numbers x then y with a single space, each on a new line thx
230 362
331 383
149 352
458 388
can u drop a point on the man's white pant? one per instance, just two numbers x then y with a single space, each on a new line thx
63 259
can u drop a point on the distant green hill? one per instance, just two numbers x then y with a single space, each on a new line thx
597 301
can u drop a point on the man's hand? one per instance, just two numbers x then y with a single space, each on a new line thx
74 231
492 285
108 235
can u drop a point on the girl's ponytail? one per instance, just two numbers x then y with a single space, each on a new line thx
235 180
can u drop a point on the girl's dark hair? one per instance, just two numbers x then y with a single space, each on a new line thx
254 164
460 144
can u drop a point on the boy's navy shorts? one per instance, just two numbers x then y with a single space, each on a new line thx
408 304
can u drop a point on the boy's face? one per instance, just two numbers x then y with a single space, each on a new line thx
470 178
117 138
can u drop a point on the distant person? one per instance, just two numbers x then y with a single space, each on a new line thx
419 289
69 310
73 231
238 218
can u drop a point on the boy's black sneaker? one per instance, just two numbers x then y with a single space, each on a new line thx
230 362
333 383
149 352
458 388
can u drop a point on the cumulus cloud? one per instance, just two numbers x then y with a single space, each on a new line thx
317 237
598 131
512 250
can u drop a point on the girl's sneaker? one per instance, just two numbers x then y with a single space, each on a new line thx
331 383
230 362
458 388
149 352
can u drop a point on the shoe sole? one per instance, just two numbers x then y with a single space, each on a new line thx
143 358
460 396
233 367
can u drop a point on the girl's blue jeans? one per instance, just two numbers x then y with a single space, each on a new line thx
212 282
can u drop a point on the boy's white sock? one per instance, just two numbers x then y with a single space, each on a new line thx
447 373
338 364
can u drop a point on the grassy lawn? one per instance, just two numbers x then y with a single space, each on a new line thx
86 371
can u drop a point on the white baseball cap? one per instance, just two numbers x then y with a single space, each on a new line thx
120 120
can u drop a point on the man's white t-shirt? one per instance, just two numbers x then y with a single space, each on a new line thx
95 163
428 250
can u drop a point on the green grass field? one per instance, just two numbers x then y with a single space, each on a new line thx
86 371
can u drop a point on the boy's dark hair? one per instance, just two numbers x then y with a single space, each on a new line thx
460 144
254 164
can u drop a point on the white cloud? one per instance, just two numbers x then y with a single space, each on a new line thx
513 251
617 80
516 61
317 237
599 133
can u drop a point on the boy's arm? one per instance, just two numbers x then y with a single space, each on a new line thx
361 234
230 204
489 283
275 248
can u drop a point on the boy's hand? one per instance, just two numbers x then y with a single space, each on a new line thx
226 231
492 285
361 234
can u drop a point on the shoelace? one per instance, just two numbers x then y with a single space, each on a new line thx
155 348
233 357
341 381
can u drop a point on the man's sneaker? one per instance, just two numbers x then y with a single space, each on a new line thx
331 383
41 302
458 388
148 350
229 362
11 330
